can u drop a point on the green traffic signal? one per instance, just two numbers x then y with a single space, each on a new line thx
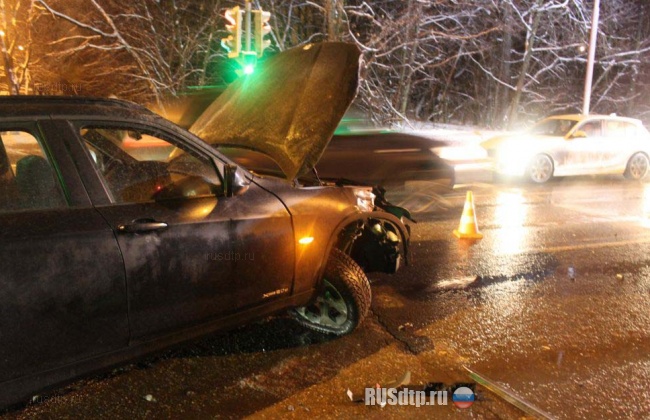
245 43
249 61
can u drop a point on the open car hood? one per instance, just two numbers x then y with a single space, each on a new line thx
288 108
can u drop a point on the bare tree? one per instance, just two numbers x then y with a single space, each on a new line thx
487 62
157 48
15 42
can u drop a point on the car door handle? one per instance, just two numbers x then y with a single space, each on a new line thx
142 225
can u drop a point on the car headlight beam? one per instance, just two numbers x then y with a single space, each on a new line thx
512 159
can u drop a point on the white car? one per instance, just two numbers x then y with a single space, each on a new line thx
568 145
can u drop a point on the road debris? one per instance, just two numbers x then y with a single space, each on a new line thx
508 396
402 327
403 381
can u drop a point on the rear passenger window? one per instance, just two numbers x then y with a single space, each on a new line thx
620 129
27 179
614 129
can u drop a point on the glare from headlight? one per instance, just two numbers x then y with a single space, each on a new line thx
457 153
512 160
365 200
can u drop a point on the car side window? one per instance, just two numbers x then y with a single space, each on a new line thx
592 128
138 166
27 178
631 130
620 129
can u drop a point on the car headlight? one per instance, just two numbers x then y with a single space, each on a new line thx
365 200
457 153
513 155
512 158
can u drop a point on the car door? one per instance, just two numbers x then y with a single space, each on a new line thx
620 142
584 152
62 284
191 254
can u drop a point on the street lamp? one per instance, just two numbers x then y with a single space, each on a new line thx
590 60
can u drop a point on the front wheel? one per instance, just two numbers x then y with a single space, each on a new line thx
540 169
344 299
637 167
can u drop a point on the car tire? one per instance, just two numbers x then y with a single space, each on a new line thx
344 299
637 167
540 169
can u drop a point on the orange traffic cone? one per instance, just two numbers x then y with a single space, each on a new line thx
468 229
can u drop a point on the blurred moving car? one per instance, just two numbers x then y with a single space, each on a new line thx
383 159
122 233
388 159
568 145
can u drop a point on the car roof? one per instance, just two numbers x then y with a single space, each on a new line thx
34 105
582 117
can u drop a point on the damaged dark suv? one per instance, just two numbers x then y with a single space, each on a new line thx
122 233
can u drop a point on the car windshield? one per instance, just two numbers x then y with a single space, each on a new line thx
554 127
253 160
261 164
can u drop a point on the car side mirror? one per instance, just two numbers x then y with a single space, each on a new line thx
235 182
579 134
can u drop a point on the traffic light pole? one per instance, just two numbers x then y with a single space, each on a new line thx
248 25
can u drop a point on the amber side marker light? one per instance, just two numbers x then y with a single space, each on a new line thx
306 240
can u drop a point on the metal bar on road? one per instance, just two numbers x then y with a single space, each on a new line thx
508 396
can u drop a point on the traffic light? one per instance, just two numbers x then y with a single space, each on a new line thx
262 28
233 43
249 61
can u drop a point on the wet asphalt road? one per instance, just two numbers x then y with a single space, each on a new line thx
504 307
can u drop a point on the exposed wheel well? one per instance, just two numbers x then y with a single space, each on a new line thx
375 244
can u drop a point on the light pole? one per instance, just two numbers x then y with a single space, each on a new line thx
590 59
